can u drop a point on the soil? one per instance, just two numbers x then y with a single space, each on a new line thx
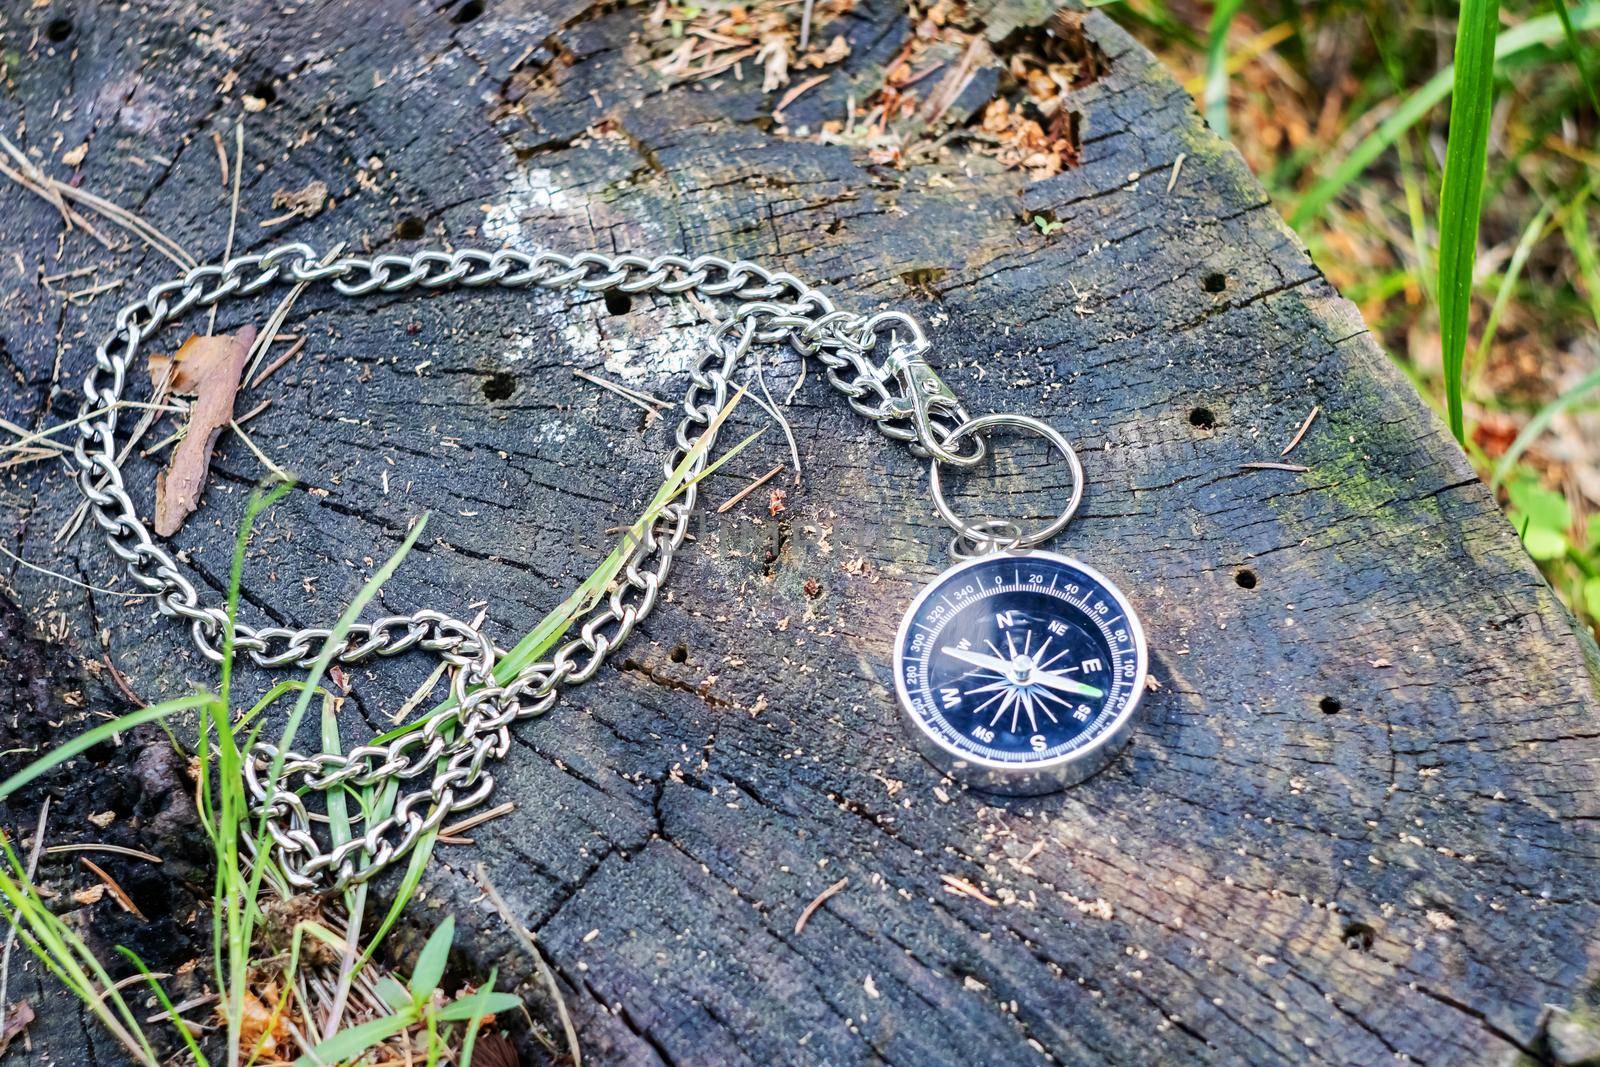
136 785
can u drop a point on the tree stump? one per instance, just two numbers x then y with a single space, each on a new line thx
1357 819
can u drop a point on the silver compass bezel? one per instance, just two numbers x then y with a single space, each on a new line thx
1027 779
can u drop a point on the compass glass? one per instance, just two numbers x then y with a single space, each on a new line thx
1020 659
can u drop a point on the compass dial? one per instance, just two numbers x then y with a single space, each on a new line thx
1020 672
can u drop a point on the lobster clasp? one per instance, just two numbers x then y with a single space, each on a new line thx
926 394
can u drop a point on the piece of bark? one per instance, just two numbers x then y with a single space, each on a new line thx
178 488
194 362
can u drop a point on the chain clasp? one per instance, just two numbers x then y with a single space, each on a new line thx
926 394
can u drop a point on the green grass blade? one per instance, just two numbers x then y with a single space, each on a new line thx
348 1044
93 736
1537 425
333 644
408 887
338 810
259 501
1215 96
66 956
1531 234
484 1002
1534 33
166 1003
470 1041
1575 227
1461 199
1578 60
429 971
550 629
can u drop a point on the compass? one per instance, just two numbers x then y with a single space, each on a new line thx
1019 672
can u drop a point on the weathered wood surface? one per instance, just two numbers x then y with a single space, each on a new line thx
1358 820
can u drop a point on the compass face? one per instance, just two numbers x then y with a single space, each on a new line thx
1020 671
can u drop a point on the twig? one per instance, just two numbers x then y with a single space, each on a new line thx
222 157
479 819
29 439
795 91
134 979
771 407
68 578
644 400
118 894
525 939
1266 466
733 500
180 1008
58 192
817 902
276 365
11 932
794 390
29 455
269 333
265 459
253 412
233 214
707 312
421 693
24 434
1304 426
1177 165
967 889
94 290
122 684
45 189
805 26
50 279
134 224
94 846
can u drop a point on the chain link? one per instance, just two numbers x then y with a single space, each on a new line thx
452 748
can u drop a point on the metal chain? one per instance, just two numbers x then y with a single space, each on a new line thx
901 395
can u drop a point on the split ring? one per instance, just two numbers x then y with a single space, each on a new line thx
981 532
995 535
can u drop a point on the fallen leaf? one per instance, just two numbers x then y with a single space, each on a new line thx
194 362
75 156
16 1021
178 488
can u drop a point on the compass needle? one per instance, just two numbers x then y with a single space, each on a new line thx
998 664
1066 685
